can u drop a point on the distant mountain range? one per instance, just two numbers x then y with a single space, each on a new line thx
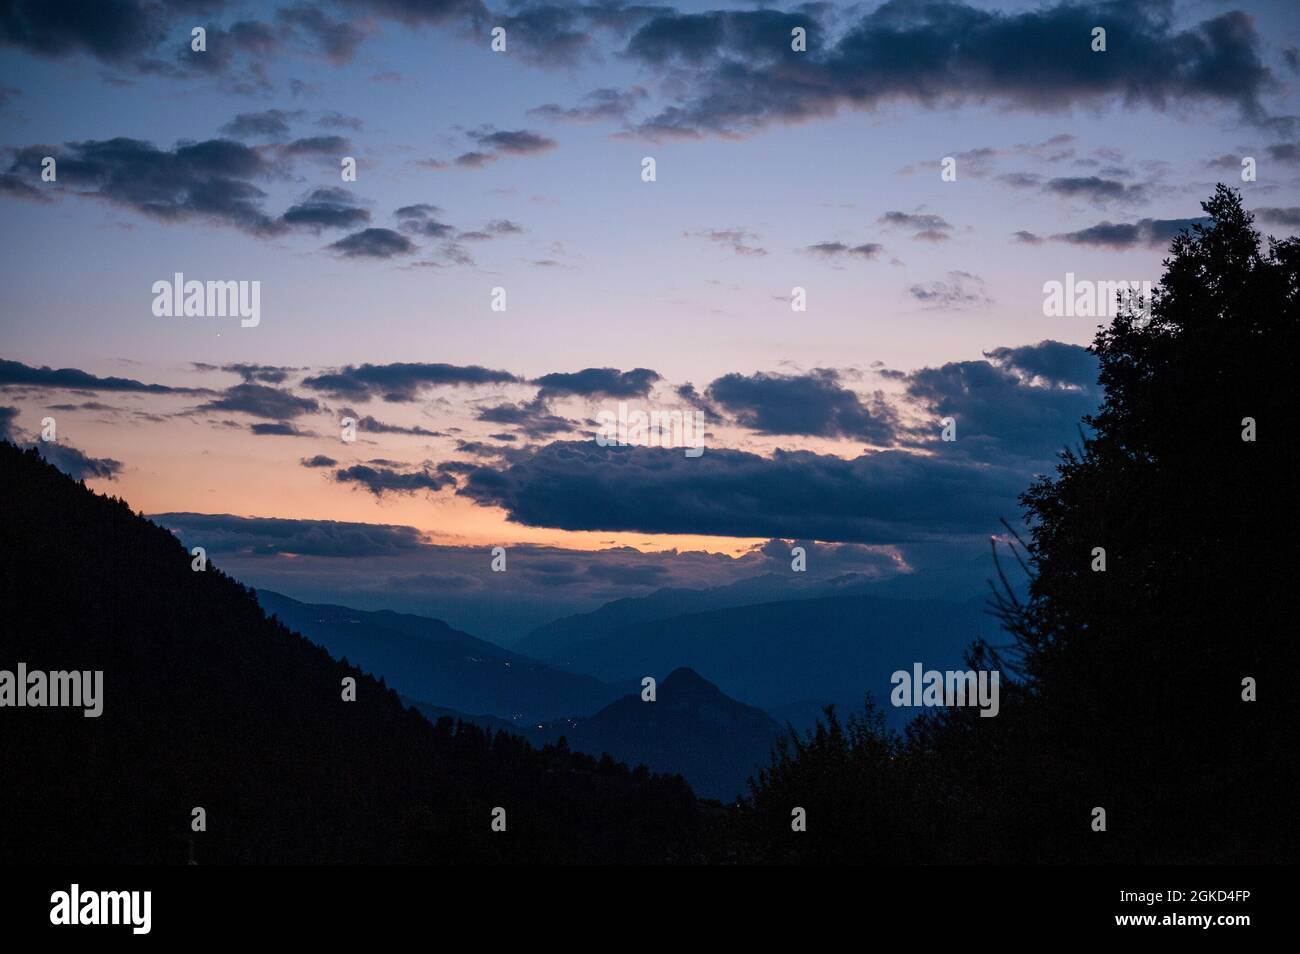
554 640
788 656
426 659
692 729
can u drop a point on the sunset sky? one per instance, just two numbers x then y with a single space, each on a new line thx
522 170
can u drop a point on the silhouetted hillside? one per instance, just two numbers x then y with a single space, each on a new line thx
426 659
208 703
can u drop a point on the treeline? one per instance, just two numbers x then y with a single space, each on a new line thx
1160 689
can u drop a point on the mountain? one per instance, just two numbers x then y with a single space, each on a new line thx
554 640
781 654
691 729
208 703
426 659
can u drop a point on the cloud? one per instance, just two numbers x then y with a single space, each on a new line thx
370 425
252 373
868 250
400 382
1288 216
199 181
373 243
532 417
419 219
385 480
884 497
739 74
738 240
598 382
281 429
1094 189
326 208
116 32
272 123
337 40
518 142
320 460
1288 152
931 228
1021 402
266 536
958 290
262 401
494 143
333 147
598 105
15 373
77 464
813 404
1151 233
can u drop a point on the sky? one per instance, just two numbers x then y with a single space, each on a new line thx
521 170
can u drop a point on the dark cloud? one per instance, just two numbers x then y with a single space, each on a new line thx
1288 216
334 147
533 418
600 104
1095 189
868 250
958 290
335 39
1053 362
885 497
15 186
15 373
320 460
599 382
492 144
326 208
373 243
931 228
370 425
400 382
253 373
1023 402
421 219
201 181
1151 233
281 429
262 401
384 480
815 404
745 76
518 142
1288 152
77 464
265 536
115 31
273 123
